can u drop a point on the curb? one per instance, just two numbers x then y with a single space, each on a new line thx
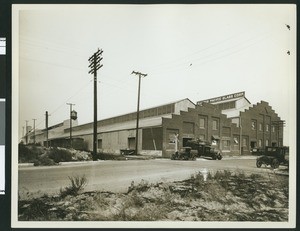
25 164
240 157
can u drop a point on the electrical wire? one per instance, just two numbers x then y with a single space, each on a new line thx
162 70
63 104
230 49
174 61
51 46
52 64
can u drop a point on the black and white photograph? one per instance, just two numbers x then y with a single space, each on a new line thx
153 116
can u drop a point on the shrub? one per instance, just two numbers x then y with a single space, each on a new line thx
28 153
44 161
37 209
141 187
60 155
79 144
77 184
198 179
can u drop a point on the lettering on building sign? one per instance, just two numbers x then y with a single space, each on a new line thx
222 98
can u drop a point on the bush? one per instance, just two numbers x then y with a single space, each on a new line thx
60 155
79 144
77 184
37 210
28 153
43 161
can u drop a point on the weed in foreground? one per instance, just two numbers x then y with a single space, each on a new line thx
77 184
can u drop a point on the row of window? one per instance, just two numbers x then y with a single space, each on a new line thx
215 123
226 143
260 126
267 143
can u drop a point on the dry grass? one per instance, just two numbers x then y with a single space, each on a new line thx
219 196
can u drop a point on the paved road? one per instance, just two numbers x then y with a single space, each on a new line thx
117 175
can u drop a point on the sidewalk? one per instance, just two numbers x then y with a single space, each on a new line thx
135 157
248 157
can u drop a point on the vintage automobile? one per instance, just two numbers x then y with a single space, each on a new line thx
205 149
273 156
185 153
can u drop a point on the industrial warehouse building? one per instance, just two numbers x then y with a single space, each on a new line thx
231 123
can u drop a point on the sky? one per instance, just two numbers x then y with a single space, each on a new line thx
187 51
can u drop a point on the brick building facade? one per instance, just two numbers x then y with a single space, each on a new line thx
231 123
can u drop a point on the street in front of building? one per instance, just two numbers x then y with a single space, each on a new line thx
116 176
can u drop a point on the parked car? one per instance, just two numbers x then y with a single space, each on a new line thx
273 156
185 153
205 149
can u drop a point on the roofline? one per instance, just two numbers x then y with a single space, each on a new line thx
247 100
173 102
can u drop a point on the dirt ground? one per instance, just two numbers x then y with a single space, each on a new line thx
224 196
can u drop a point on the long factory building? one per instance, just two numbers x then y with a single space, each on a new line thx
231 123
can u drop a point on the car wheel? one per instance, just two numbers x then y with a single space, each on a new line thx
258 163
275 163
220 157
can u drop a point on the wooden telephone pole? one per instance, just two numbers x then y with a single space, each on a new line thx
47 134
34 130
26 131
138 110
71 104
94 66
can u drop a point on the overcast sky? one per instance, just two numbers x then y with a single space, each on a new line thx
187 51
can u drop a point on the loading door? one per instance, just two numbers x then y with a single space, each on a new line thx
131 143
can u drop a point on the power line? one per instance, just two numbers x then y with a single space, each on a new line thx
60 106
51 45
195 64
51 63
70 97
199 51
231 53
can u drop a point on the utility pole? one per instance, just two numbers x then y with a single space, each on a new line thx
138 110
94 66
26 130
71 104
34 130
47 145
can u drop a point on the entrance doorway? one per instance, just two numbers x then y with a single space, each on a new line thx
253 144
131 143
